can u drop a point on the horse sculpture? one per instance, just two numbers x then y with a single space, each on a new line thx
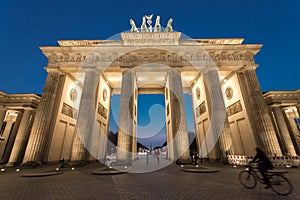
169 27
133 26
144 26
157 27
149 21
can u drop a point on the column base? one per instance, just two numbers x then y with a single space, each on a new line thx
10 164
32 163
181 161
77 163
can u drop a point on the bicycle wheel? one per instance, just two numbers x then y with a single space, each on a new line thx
247 179
280 184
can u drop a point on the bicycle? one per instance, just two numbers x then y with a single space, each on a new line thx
278 182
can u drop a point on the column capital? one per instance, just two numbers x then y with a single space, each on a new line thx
125 70
55 70
28 108
11 117
208 68
92 69
248 68
275 105
89 68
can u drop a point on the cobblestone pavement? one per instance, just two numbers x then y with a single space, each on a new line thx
167 183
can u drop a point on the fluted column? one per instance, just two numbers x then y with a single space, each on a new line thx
12 136
298 109
283 131
125 132
219 133
40 129
21 139
86 117
2 116
10 120
225 141
178 117
264 132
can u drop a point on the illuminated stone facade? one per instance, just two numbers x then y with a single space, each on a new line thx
219 74
17 113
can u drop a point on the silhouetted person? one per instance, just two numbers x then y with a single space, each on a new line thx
192 155
264 164
62 161
157 154
195 157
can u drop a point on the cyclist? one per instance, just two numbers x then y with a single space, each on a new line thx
264 164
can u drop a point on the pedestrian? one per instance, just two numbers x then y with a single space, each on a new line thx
195 157
192 155
157 156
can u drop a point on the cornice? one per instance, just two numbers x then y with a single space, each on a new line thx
282 97
19 100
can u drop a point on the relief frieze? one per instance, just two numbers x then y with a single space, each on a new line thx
102 111
201 109
154 57
69 111
236 56
234 108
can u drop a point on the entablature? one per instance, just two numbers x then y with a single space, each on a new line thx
18 101
239 55
277 98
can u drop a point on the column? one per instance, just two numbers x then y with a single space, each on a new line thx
225 141
86 117
2 116
40 129
264 132
19 146
298 109
12 137
178 118
218 134
284 132
134 132
297 131
10 120
126 123
169 131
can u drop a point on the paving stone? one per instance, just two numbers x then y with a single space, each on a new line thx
166 183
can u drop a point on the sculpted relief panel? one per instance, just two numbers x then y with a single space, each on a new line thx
155 57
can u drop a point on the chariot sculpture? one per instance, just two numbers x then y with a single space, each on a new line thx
147 19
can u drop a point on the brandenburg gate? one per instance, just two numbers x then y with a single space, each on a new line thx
72 118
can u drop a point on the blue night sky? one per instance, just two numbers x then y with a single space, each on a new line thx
26 25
